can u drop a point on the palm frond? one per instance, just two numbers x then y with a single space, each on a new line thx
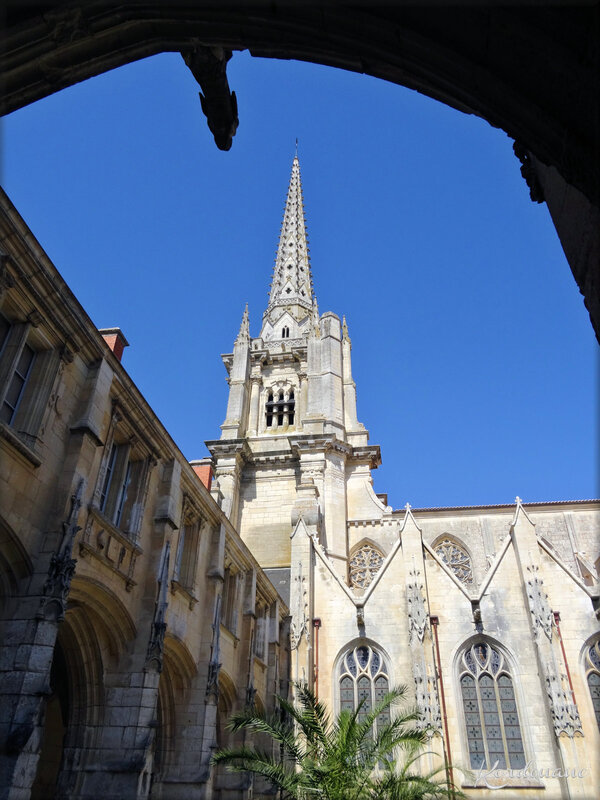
280 731
351 757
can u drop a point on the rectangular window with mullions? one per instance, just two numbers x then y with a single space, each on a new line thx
186 558
122 487
28 369
16 384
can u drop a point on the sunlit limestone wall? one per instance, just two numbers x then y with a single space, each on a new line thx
515 593
267 495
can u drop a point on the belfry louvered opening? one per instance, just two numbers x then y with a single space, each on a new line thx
280 408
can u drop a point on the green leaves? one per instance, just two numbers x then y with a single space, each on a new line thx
348 758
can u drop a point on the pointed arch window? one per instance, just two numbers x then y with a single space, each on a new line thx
592 663
363 677
456 557
285 332
490 709
364 565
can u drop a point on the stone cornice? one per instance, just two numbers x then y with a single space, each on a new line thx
266 357
220 448
367 454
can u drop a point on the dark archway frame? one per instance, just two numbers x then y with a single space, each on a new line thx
528 68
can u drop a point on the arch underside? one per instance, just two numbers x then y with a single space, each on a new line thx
532 71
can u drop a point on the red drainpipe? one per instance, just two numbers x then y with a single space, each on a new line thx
435 621
316 626
562 647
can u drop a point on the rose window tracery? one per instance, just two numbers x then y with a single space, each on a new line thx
364 565
456 558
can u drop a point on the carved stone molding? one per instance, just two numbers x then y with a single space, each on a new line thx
102 540
60 573
208 65
299 608
417 613
426 699
6 279
539 607
565 715
214 665
536 193
156 643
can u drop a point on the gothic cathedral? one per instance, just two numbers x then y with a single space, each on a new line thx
490 614
144 598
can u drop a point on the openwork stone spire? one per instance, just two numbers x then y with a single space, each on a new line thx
292 280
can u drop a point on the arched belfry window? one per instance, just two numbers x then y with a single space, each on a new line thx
285 332
365 563
592 665
269 407
456 557
363 677
490 708
280 408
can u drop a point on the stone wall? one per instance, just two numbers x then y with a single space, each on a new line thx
122 630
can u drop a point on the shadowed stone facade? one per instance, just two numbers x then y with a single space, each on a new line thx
134 619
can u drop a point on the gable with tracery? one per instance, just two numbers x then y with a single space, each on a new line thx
456 558
365 563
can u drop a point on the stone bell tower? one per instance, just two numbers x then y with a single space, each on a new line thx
291 445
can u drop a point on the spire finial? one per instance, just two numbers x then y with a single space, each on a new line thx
296 153
244 334
345 335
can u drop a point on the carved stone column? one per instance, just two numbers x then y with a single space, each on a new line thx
255 384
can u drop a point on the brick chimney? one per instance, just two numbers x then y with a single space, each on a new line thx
115 339
203 469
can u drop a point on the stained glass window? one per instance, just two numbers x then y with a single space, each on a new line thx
456 558
364 565
363 677
490 709
593 676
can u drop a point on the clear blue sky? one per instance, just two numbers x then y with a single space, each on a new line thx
475 362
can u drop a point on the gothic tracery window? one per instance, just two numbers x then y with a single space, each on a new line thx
490 708
364 565
592 664
363 677
456 558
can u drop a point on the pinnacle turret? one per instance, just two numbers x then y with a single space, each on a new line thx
292 280
244 333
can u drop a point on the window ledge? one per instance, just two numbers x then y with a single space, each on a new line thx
10 436
187 592
261 663
502 779
229 635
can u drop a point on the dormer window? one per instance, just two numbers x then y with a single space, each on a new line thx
285 332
